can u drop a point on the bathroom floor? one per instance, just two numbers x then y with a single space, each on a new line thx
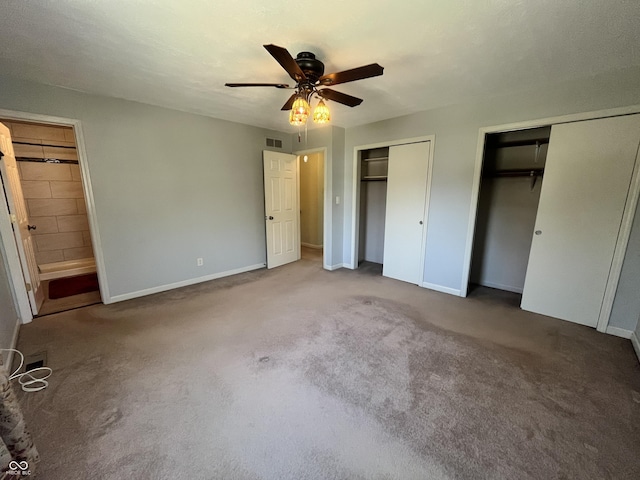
57 305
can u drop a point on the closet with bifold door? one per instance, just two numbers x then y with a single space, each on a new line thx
393 209
586 180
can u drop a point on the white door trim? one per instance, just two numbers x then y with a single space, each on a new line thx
355 200
86 185
621 247
625 229
327 230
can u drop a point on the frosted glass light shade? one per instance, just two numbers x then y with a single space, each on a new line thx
301 107
321 114
300 111
297 120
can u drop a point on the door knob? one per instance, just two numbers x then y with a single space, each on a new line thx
31 227
538 232
268 218
420 222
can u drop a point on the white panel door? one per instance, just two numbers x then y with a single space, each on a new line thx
405 222
586 181
281 208
18 210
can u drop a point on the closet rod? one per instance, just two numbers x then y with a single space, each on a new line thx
45 160
520 172
374 178
42 145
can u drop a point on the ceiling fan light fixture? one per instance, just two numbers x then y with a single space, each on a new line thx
297 120
301 106
321 113
308 73
300 111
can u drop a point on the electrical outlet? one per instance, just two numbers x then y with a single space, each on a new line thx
199 262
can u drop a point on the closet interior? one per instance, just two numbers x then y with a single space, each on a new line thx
374 165
512 176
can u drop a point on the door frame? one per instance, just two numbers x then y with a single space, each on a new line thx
627 217
355 200
18 286
327 230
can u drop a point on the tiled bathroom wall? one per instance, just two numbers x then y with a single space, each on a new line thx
52 191
56 206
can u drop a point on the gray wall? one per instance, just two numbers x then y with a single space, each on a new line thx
373 206
504 231
168 186
456 135
338 156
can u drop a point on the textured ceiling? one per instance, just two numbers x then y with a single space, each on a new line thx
179 54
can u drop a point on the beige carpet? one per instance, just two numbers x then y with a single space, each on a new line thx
298 373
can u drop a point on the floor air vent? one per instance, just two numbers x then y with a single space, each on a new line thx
35 360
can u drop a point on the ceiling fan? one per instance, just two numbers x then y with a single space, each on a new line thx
308 73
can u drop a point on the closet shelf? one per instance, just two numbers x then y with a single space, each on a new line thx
374 159
373 178
518 143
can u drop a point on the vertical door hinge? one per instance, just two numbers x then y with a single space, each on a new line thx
28 285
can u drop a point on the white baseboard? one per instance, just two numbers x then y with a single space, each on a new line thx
184 283
619 332
499 286
335 267
636 344
311 245
440 288
16 332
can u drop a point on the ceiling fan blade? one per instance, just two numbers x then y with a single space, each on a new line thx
277 85
284 58
289 103
340 97
367 71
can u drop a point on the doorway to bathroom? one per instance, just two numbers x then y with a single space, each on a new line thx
43 184
312 192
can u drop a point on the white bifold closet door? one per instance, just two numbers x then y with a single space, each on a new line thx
405 227
586 182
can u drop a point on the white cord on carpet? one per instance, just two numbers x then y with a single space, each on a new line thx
27 381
